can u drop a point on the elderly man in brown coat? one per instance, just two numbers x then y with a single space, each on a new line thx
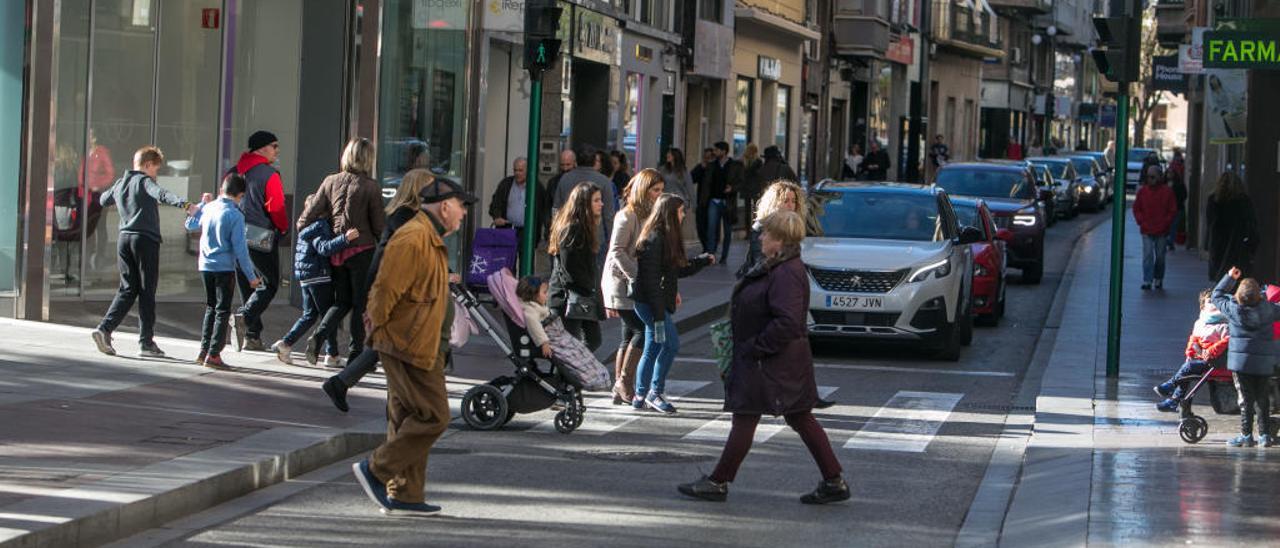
408 321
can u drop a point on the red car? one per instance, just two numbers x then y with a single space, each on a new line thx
990 259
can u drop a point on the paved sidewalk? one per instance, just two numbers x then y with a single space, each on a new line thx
1103 467
95 448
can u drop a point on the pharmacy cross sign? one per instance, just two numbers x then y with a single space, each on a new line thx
1242 50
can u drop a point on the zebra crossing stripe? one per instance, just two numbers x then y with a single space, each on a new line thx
603 417
907 423
717 430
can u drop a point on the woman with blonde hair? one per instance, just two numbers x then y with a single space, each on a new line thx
575 277
780 195
621 270
349 199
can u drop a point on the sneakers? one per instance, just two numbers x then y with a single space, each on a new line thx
1266 440
313 351
1242 440
1164 389
412 509
254 345
337 392
828 491
1146 286
333 362
103 341
660 403
150 350
1169 405
215 362
238 328
374 488
705 489
637 402
284 352
1158 283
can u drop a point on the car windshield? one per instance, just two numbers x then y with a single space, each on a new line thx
1083 165
987 183
1057 169
1137 155
881 215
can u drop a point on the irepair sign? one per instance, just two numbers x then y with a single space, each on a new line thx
1230 49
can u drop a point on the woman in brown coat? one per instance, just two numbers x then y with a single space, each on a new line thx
772 369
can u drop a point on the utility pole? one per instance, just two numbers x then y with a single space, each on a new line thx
1119 61
541 50
916 134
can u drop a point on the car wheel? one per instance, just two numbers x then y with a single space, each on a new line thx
965 320
948 343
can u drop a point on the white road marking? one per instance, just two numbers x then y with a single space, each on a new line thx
603 416
908 422
717 430
885 369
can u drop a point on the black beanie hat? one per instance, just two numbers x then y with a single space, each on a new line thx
261 138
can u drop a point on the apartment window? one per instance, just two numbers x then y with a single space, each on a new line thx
782 123
711 10
742 110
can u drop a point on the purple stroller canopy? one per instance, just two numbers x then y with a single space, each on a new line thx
502 285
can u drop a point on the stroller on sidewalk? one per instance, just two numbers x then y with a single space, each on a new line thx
537 382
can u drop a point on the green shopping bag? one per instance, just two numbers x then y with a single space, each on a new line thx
722 346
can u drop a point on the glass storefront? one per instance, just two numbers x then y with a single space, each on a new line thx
743 107
12 49
782 119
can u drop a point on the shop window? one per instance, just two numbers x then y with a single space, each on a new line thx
782 121
631 116
743 107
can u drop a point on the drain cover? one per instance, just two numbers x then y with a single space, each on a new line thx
657 457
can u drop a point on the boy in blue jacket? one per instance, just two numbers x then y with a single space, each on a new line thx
1251 353
222 251
316 243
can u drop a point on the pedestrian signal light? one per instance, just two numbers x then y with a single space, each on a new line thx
541 24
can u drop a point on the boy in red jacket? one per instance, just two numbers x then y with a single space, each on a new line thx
1155 209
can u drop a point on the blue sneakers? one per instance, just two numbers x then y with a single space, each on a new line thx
660 403
1266 441
637 402
1169 405
373 487
1164 389
1242 441
417 509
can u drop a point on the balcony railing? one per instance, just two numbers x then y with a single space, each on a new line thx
959 26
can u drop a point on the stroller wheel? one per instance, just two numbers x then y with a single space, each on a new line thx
569 419
484 407
1193 429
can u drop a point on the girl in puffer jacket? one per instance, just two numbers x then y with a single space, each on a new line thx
1205 348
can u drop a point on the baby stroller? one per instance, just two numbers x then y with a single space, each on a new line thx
538 382
1191 427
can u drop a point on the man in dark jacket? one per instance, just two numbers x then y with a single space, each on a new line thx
137 195
263 207
507 207
876 165
701 175
775 168
726 178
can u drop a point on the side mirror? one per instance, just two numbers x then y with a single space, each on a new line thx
1005 234
970 235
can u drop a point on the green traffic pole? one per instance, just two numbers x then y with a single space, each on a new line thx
1117 232
531 179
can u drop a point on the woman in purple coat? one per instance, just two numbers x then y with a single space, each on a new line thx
772 369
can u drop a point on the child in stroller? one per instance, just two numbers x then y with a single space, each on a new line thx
538 382
1206 350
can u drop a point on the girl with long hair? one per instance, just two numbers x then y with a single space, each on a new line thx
661 262
1233 227
676 175
621 270
574 242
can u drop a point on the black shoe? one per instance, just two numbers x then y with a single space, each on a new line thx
254 344
150 350
823 404
1146 287
828 491
705 489
337 392
1158 284
313 351
238 328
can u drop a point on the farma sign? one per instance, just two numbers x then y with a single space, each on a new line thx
1241 50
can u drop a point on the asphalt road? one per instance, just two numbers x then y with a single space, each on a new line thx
914 469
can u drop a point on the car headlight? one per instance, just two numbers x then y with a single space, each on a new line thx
1025 217
940 268
1088 189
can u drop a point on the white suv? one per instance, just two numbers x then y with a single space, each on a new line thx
891 262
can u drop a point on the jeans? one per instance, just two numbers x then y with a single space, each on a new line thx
1153 257
316 300
219 290
139 259
357 368
743 431
1190 368
586 331
351 291
1255 399
256 301
719 231
657 358
700 225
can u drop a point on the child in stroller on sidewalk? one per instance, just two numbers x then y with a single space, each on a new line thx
1206 349
554 341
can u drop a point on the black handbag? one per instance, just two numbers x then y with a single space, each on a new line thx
582 307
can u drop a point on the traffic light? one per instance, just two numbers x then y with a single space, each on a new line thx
541 21
1119 56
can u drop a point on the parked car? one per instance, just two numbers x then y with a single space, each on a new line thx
1066 189
1133 172
890 261
990 261
1092 191
1010 193
1108 173
1048 197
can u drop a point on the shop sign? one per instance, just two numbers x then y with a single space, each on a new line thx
1107 115
901 51
1227 49
439 14
597 37
1227 103
1088 113
769 68
504 15
1191 56
1165 75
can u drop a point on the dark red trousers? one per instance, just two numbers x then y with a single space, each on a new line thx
744 431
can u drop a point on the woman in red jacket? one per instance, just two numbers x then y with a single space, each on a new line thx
1155 209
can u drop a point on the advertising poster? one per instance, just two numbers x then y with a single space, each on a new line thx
1226 105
